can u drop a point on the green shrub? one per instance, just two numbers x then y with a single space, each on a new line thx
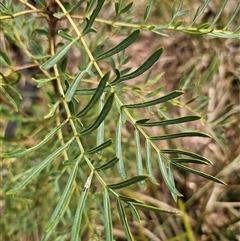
75 146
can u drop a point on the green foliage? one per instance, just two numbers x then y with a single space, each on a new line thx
77 153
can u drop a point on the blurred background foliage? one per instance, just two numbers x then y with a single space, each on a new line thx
206 67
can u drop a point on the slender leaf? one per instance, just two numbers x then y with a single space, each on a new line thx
124 222
202 174
144 67
219 13
63 202
149 163
97 94
107 165
80 209
40 167
186 153
93 16
55 58
72 88
129 199
171 122
107 216
21 153
101 128
200 11
148 10
134 212
188 160
101 117
166 178
155 209
172 182
91 91
127 182
15 105
53 108
162 99
4 9
120 164
234 14
100 147
179 135
76 5
121 46
139 156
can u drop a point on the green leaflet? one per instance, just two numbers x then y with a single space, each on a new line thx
234 14
80 208
124 222
149 163
155 209
120 164
56 57
107 215
107 165
4 9
144 67
139 156
40 167
189 160
21 153
171 121
73 86
166 178
179 135
100 147
97 94
162 99
129 199
186 153
93 16
52 110
101 117
63 202
127 182
188 169
91 91
134 212
172 182
121 46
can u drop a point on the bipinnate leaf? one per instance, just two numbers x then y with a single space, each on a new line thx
107 165
124 221
186 153
21 153
139 156
73 86
121 46
127 182
166 178
179 135
171 121
143 68
97 94
107 215
40 167
202 174
80 208
162 99
101 117
100 147
55 58
93 16
63 202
